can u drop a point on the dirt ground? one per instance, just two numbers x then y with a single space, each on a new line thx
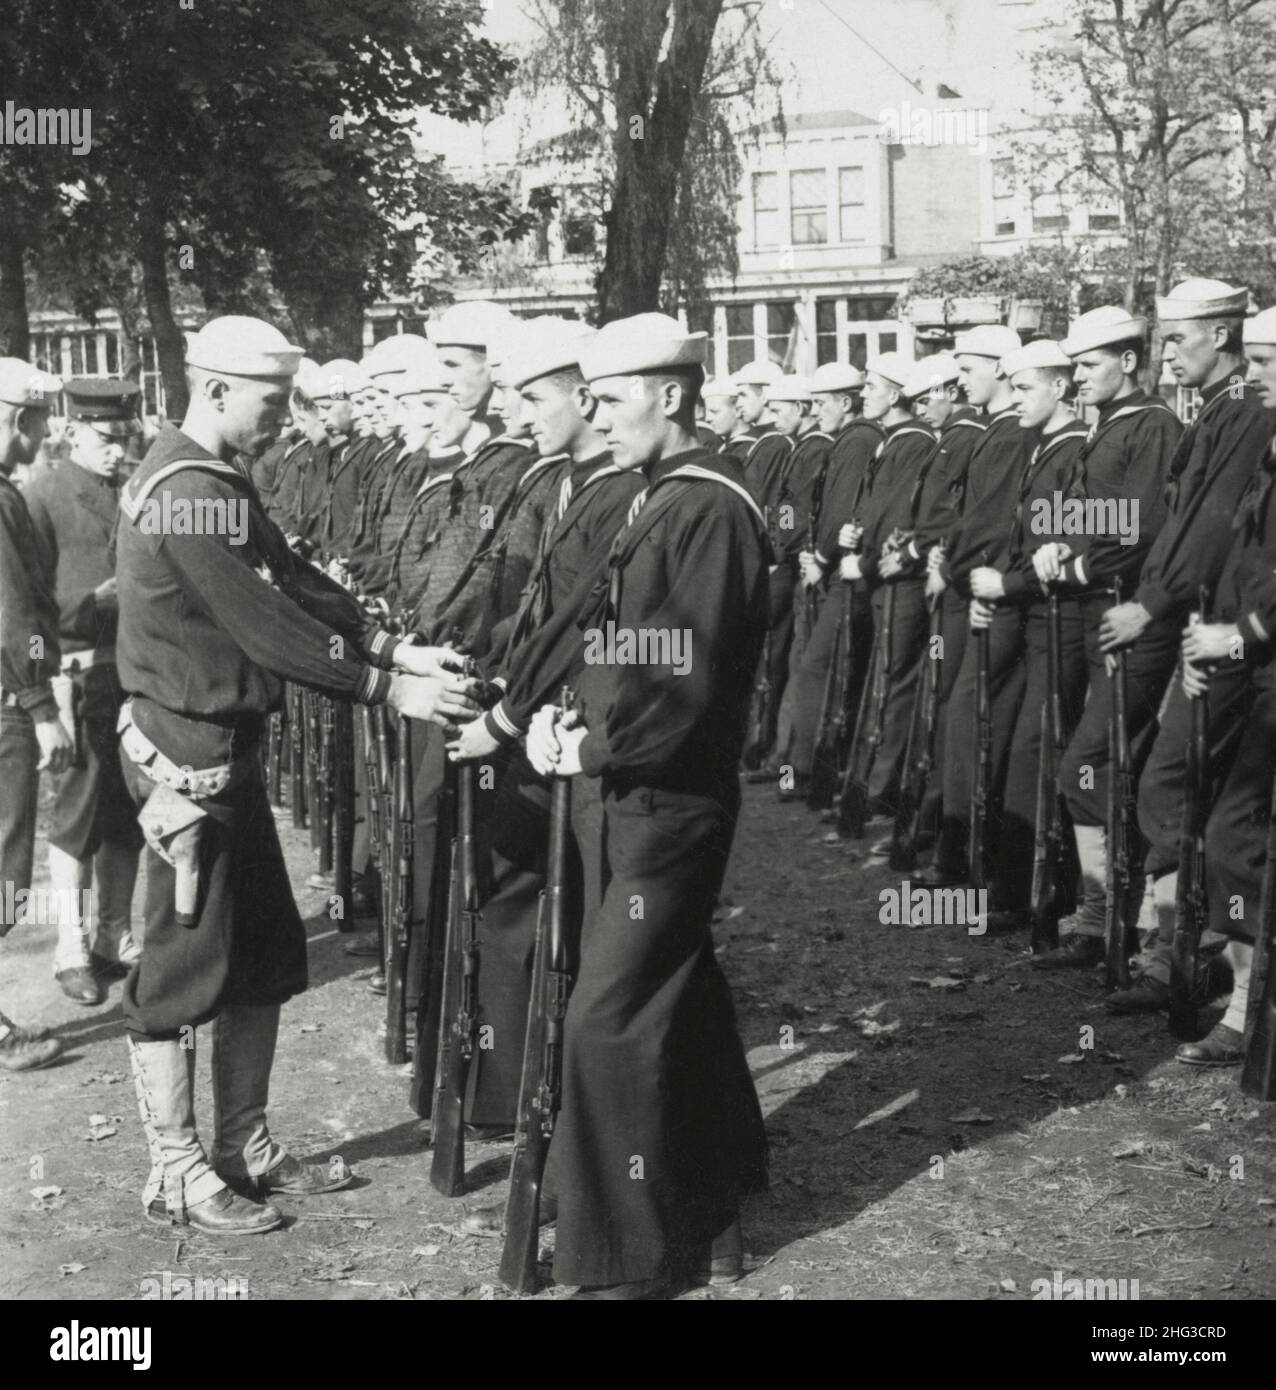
1015 1146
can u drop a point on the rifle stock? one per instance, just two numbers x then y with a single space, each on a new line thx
1047 848
1120 828
396 954
459 1023
296 757
760 713
343 810
541 1085
826 770
1189 897
1258 1074
919 761
981 786
853 807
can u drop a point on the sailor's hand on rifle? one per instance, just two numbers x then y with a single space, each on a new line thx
1049 561
571 734
849 567
1204 642
891 563
447 700
1122 625
470 741
935 582
543 747
850 535
987 583
812 570
438 662
980 615
57 747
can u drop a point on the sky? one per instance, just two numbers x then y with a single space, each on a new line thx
843 55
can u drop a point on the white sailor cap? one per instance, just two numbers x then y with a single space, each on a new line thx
242 346
541 346
643 343
1261 328
396 354
308 378
1041 352
1105 326
340 377
836 377
893 367
21 384
1201 299
758 373
936 370
790 388
986 340
719 386
417 378
475 323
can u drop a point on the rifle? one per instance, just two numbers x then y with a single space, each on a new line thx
430 1007
343 808
1258 1074
314 800
853 803
296 758
368 715
830 746
1189 896
982 784
459 1024
274 759
760 715
327 799
920 758
541 1087
1047 844
1122 810
403 831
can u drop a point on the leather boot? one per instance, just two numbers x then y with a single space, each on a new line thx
244 1037
72 881
115 872
1092 852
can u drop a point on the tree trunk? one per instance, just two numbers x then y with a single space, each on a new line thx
15 326
653 119
170 349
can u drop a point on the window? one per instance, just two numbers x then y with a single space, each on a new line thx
740 348
1003 197
77 355
850 198
580 227
1048 214
90 355
825 331
870 306
781 331
857 345
383 329
1105 221
766 210
887 342
112 354
808 206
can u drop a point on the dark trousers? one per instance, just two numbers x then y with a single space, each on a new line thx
91 804
660 1133
811 681
19 754
248 945
808 604
1013 851
1149 664
1005 691
904 649
1162 785
1236 837
783 583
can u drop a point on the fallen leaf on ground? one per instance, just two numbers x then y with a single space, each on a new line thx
1071 1059
892 1108
973 1116
64 1270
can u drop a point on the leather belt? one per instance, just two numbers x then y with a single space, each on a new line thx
197 783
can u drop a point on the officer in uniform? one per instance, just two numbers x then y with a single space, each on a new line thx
334 384
1040 377
33 738
93 831
215 613
660 1134
1126 455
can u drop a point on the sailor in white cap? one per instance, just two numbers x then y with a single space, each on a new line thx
1200 322
308 526
337 383
981 538
1040 377
1212 526
32 736
836 394
752 381
650 1038
875 544
1123 463
276 472
1235 838
722 412
215 613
